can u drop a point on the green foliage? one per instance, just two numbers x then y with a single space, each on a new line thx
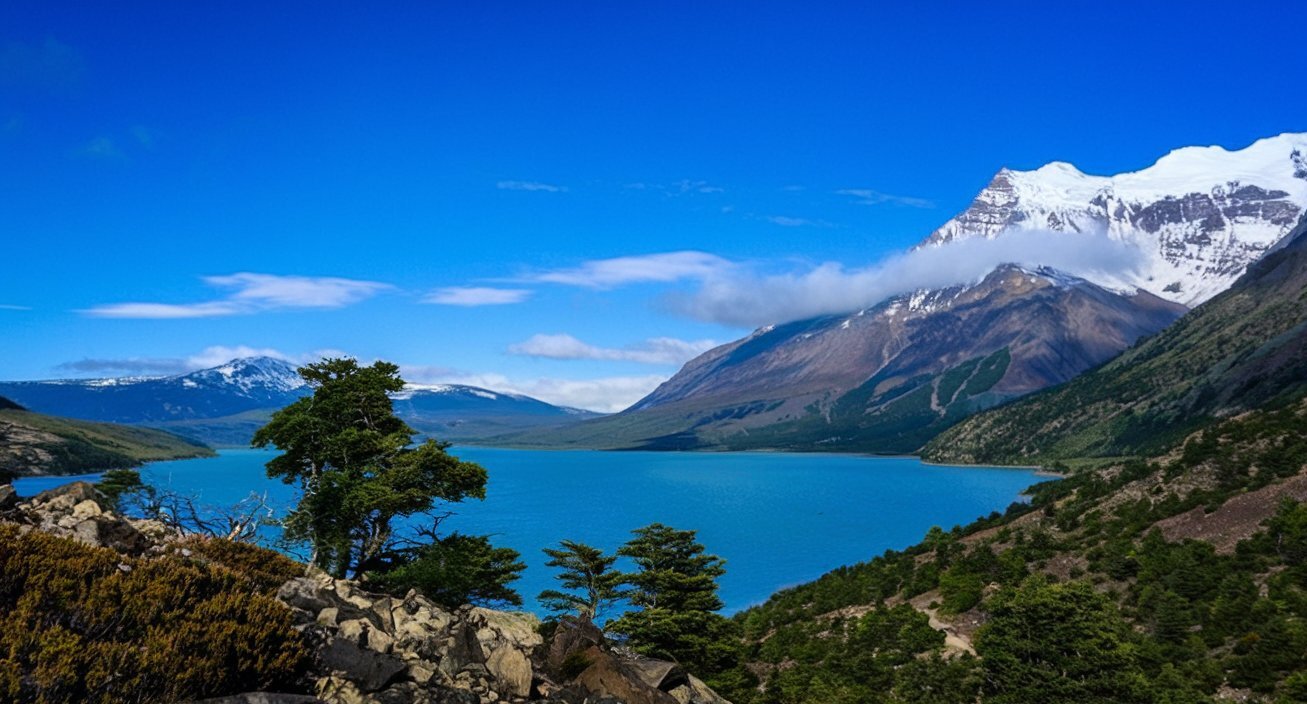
1058 643
593 587
453 570
674 571
675 592
118 484
83 624
355 462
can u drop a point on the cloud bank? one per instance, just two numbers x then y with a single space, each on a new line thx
658 350
746 298
252 293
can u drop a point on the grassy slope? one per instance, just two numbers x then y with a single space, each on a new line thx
39 444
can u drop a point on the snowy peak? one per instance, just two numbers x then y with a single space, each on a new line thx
249 374
1200 215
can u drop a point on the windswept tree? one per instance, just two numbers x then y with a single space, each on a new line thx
369 495
593 587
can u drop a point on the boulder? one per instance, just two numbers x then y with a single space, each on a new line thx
463 650
573 635
263 698
369 670
658 674
607 676
696 691
8 497
511 670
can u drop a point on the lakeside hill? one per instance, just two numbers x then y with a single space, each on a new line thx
34 443
223 406
1243 349
1178 575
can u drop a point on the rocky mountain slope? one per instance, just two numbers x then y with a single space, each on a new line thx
1199 215
1235 352
224 405
33 443
886 378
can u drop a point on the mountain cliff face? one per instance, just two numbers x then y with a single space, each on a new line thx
1235 352
887 378
1200 215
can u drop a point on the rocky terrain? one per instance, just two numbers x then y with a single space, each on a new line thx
372 648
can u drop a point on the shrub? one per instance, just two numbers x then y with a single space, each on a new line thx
84 624
263 569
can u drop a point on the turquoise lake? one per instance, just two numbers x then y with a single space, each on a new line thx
778 519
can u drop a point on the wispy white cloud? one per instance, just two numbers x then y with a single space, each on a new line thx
746 297
252 293
530 186
603 394
6 306
682 187
609 273
658 350
867 196
476 296
788 221
166 366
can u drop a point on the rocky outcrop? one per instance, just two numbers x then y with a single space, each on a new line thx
372 648
79 511
376 649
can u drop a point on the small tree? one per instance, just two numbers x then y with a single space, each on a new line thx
118 485
358 469
675 589
456 569
593 587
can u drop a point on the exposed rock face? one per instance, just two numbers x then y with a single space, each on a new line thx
1200 214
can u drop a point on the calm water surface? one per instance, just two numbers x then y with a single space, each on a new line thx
778 519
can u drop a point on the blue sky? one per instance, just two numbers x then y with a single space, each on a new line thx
473 190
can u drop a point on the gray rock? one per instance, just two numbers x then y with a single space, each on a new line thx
511 670
8 497
371 671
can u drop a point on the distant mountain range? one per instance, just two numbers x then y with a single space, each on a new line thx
890 377
224 405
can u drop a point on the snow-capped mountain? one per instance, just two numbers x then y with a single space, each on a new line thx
1199 215
888 377
238 386
225 404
